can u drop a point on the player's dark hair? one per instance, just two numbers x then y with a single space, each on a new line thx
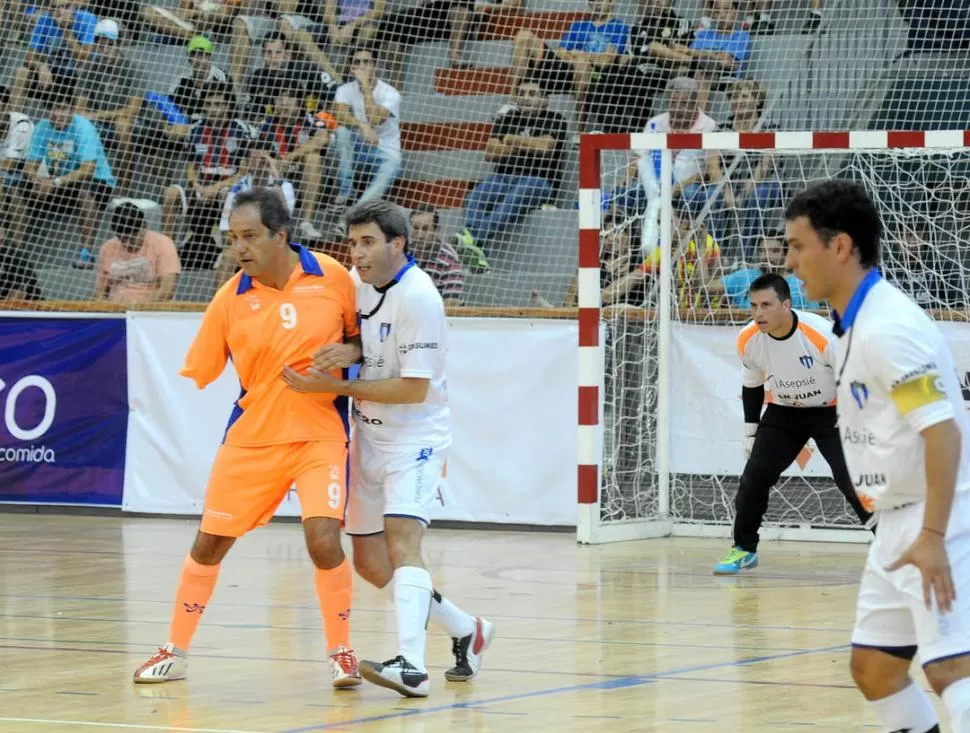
218 88
61 94
390 219
772 281
841 207
273 38
127 219
273 213
425 209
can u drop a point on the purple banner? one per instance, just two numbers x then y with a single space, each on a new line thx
63 410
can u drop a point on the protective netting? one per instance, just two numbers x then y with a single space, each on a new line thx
727 230
466 112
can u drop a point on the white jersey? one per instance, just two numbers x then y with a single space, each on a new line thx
798 369
896 378
403 334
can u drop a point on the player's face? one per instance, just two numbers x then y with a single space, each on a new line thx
770 313
811 259
376 257
252 244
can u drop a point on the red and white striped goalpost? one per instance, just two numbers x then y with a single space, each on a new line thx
590 527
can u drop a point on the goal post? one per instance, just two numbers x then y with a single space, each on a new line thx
660 423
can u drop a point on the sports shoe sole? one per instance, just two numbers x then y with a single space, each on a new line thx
371 671
346 683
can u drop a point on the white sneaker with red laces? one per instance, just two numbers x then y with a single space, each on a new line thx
167 665
343 665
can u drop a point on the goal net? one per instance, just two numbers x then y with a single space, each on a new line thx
675 228
190 99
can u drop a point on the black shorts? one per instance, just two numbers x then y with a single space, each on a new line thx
428 22
554 75
63 200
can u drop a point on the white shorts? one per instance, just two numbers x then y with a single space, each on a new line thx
890 611
390 483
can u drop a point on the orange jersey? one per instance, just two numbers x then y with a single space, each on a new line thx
262 330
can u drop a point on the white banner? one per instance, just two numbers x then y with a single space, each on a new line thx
512 388
707 417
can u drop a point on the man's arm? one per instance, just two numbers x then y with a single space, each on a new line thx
209 352
943 443
345 116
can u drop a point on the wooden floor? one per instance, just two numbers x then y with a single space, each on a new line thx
625 637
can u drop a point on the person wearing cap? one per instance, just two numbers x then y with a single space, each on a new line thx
109 96
192 17
187 91
62 38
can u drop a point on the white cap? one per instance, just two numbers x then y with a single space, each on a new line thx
106 28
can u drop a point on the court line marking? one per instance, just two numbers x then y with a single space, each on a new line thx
613 684
126 726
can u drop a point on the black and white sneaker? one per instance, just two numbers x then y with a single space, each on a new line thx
397 674
469 651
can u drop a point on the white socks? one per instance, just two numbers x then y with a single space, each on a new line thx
909 709
448 616
412 601
956 698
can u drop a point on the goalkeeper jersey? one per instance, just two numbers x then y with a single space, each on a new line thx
797 369
896 377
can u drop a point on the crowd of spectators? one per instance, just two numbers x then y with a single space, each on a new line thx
309 80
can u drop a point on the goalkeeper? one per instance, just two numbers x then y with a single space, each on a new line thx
794 353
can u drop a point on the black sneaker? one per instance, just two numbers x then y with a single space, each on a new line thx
469 651
397 674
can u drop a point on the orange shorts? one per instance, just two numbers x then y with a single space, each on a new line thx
246 485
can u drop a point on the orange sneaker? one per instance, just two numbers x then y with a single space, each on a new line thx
343 664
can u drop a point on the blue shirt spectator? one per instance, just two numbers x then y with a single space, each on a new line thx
585 35
65 150
737 43
737 287
48 37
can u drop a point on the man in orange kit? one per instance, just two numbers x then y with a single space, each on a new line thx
285 304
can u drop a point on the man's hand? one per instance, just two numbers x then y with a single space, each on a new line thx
335 356
314 381
44 186
928 554
368 135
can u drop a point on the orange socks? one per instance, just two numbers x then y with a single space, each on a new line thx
334 589
194 591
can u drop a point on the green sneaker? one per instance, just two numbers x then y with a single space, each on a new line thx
735 561
472 256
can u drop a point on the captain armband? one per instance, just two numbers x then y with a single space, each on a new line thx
919 392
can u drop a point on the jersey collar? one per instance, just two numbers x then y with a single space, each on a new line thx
791 332
844 322
398 275
308 262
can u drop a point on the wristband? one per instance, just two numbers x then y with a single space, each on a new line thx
934 531
750 428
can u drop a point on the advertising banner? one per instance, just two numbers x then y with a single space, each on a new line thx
63 410
512 390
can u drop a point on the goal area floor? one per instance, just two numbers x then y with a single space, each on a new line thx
635 636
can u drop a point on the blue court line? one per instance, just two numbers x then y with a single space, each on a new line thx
614 684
